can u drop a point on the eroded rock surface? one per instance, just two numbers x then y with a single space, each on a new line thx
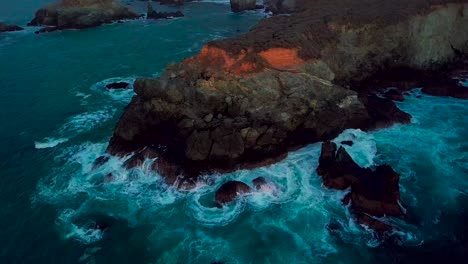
291 80
8 28
230 191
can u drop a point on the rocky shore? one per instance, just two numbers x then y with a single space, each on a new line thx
8 28
78 14
290 81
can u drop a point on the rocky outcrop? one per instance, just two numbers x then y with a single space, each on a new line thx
8 28
229 191
78 14
291 80
151 14
242 5
373 193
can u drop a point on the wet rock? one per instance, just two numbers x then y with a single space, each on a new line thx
446 87
8 28
394 94
118 85
99 162
136 160
259 182
373 193
347 142
109 178
229 191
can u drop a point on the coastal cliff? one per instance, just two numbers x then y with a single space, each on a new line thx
245 101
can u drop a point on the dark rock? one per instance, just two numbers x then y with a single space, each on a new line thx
394 94
109 178
347 142
446 87
373 193
118 85
151 14
8 28
259 182
383 112
230 191
242 5
80 14
99 162
136 160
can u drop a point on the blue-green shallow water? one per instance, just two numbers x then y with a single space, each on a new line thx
56 118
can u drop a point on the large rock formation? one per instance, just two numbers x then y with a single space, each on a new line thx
286 82
79 14
373 193
284 6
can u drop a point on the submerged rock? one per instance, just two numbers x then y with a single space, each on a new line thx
72 14
118 85
229 191
373 193
8 28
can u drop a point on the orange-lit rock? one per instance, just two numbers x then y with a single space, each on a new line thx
282 58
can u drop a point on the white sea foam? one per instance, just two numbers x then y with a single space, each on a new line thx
364 148
49 142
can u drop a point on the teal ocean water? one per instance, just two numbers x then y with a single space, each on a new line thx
56 117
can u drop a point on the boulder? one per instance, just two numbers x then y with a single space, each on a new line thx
8 28
99 162
242 5
229 191
73 14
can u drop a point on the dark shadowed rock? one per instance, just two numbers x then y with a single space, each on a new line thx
229 191
394 94
347 142
373 193
151 14
8 28
118 85
259 182
99 162
242 5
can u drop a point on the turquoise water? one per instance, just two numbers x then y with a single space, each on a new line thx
56 117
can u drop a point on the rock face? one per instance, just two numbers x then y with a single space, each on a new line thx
151 14
284 6
230 191
117 85
7 28
373 193
77 14
291 80
242 5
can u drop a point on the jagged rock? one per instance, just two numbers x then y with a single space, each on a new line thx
8 28
118 85
73 14
242 5
284 6
230 191
373 193
151 14
99 162
259 183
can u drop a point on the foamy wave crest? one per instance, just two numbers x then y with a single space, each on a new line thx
364 148
49 142
85 122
